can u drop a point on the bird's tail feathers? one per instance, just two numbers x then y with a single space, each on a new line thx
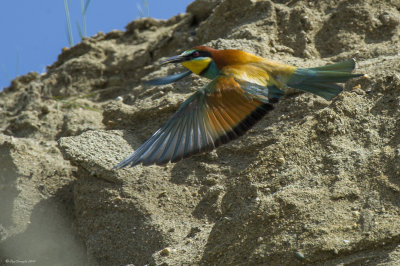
345 66
322 81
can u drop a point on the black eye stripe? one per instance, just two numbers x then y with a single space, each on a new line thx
196 54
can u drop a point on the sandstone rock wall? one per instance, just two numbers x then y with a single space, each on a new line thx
314 182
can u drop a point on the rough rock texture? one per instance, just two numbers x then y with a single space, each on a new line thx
314 182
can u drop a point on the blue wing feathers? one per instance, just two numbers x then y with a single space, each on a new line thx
190 131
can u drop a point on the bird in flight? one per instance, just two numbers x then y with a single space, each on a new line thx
242 90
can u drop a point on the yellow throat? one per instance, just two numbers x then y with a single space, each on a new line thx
197 65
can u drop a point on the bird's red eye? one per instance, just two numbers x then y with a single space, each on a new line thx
196 54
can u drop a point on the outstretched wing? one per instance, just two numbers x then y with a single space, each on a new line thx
216 114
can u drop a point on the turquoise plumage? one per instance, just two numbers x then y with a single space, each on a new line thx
242 90
322 81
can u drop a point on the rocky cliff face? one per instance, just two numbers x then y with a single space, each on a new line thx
314 182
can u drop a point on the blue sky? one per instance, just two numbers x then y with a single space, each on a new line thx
33 32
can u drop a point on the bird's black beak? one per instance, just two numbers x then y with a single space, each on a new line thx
173 59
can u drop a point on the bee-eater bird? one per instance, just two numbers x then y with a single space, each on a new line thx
242 89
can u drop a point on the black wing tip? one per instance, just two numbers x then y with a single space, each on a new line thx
246 124
125 163
273 100
121 165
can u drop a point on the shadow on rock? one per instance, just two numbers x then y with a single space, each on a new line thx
8 189
49 238
113 215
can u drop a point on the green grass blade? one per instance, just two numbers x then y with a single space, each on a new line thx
69 28
139 8
146 7
84 7
5 73
17 63
81 35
